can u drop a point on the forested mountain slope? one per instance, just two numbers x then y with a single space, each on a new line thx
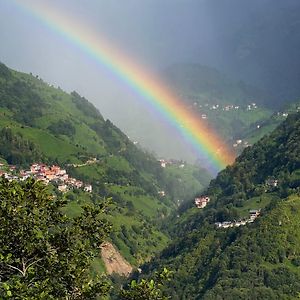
250 260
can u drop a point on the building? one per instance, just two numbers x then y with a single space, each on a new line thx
272 182
88 188
161 193
253 214
63 188
163 163
202 201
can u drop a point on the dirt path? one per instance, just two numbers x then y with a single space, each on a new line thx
114 261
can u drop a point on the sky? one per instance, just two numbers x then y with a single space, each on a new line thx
153 33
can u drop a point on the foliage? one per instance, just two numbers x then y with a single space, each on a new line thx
62 127
147 289
18 97
43 253
85 106
17 150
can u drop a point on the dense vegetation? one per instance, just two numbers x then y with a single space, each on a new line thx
43 253
16 150
256 261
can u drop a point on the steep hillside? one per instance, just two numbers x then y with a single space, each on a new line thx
268 125
39 123
231 107
221 253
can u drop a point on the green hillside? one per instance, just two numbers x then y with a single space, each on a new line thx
256 260
232 108
39 123
268 125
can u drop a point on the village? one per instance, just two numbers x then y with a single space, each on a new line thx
253 215
164 163
46 174
202 201
248 107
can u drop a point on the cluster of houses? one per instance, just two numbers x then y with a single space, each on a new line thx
241 144
253 215
228 107
91 161
164 163
201 201
251 106
46 174
285 114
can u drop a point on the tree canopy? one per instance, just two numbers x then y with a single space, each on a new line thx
43 253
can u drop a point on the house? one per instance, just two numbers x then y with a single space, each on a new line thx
49 174
163 163
161 193
202 201
64 177
63 188
78 184
253 214
88 188
272 182
227 224
12 168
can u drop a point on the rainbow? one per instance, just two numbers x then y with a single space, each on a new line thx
208 146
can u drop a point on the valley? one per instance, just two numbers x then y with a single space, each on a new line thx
149 150
65 142
163 212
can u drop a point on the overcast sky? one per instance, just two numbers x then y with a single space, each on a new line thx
154 33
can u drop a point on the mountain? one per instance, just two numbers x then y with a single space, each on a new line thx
232 108
220 252
203 84
269 124
43 124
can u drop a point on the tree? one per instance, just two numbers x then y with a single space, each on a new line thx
147 289
43 253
